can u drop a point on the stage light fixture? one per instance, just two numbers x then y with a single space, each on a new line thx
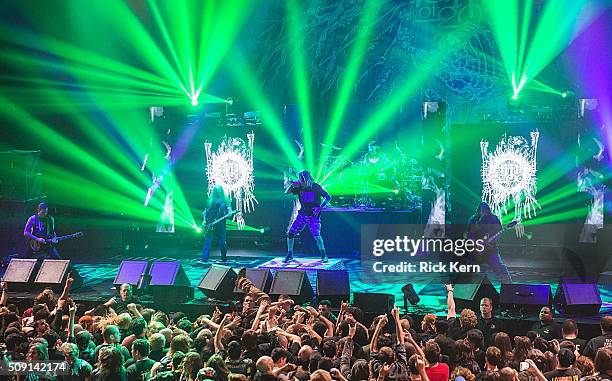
229 101
564 94
194 101
515 102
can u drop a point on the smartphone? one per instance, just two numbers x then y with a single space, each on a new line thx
524 365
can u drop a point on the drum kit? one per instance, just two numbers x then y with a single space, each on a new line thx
376 179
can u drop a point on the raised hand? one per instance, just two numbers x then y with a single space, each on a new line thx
352 330
395 312
72 309
344 306
420 364
216 314
384 370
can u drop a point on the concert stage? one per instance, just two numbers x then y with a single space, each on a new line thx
98 276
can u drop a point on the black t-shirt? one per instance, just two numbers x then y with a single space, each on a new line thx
489 327
139 371
578 342
595 343
548 331
158 355
42 226
455 331
570 374
309 198
264 377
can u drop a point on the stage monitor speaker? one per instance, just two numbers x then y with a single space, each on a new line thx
261 278
169 283
130 272
371 302
333 285
53 274
20 274
525 298
294 283
218 282
577 299
468 295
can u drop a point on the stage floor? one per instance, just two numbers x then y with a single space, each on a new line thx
98 276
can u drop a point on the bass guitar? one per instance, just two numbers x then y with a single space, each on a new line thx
36 246
206 228
494 237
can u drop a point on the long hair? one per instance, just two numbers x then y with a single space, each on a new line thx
306 179
217 196
484 208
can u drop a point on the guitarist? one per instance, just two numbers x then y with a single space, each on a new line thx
218 206
484 225
41 227
309 193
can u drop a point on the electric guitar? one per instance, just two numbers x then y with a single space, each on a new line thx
36 246
208 227
494 237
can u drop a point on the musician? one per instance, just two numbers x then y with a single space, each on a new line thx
484 225
218 206
309 193
41 227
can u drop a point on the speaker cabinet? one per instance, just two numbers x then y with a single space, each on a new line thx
294 283
169 283
333 285
374 303
261 278
20 274
218 282
525 298
130 272
468 295
53 274
577 299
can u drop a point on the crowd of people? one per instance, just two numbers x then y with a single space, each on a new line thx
265 340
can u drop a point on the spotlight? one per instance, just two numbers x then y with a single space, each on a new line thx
515 102
262 230
197 228
396 191
564 94
410 296
194 101
229 101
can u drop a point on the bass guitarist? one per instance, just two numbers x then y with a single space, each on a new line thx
485 225
218 206
41 228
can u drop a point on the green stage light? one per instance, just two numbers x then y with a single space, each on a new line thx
194 102
396 191
262 230
564 94
515 96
